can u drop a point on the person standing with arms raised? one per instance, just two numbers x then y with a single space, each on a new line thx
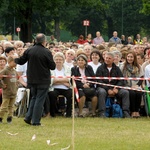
40 61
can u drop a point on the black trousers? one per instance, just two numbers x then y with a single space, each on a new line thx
135 100
46 105
53 100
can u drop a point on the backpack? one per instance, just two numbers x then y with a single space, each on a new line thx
116 111
113 109
108 104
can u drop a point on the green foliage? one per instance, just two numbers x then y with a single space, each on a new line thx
128 17
125 16
146 7
67 36
4 7
90 10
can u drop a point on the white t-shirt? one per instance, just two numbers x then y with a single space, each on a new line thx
59 73
94 66
147 74
69 64
109 68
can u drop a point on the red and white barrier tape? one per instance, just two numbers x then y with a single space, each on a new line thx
104 78
114 78
76 90
121 87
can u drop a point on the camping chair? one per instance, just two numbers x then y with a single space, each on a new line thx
22 101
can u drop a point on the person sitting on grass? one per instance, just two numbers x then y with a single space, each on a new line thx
9 85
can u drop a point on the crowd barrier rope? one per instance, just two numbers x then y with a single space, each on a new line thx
112 78
95 78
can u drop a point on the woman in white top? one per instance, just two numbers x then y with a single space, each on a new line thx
60 86
97 59
147 70
70 54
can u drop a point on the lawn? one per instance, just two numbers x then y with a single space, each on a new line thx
89 134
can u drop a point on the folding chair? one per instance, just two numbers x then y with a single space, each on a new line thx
61 104
23 101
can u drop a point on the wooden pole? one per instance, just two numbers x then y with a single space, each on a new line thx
73 113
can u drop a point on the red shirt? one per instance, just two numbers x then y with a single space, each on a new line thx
80 41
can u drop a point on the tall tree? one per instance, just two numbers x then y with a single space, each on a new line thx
22 10
49 16
90 10
124 16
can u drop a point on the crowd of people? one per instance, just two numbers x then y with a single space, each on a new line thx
31 65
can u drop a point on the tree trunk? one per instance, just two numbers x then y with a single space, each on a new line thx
57 29
110 27
26 26
26 33
41 24
43 27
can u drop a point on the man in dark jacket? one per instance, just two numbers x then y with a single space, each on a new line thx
109 69
40 61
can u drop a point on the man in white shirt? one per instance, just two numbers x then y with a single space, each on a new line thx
147 71
147 75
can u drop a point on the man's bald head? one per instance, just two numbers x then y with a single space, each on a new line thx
40 38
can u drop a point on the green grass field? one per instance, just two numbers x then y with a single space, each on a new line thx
89 134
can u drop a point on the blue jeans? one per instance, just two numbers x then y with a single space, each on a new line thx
35 110
122 93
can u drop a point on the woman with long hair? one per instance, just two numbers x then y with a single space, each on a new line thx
132 69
